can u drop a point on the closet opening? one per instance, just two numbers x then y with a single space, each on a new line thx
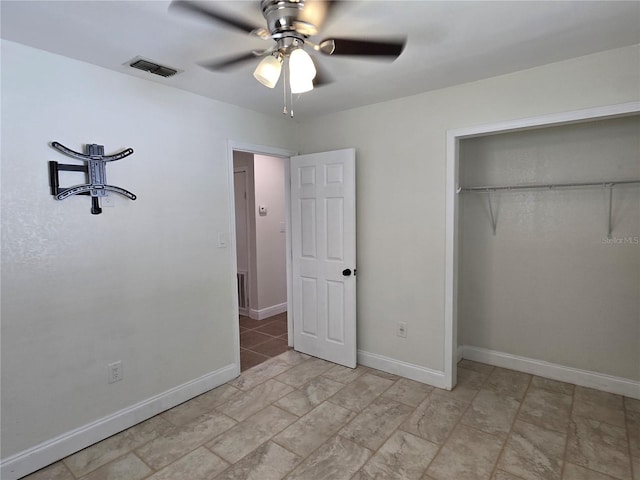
543 237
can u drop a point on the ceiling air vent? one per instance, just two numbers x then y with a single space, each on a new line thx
148 66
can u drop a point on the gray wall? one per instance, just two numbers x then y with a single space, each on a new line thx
400 183
549 285
144 282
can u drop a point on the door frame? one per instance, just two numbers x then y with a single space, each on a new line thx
245 170
286 154
451 349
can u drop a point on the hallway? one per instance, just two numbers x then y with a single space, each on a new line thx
262 339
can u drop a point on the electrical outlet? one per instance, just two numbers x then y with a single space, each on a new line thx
401 330
115 371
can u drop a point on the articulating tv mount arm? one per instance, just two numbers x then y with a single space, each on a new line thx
95 161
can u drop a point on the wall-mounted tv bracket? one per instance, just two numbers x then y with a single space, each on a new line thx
94 168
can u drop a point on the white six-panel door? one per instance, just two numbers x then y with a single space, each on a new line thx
323 233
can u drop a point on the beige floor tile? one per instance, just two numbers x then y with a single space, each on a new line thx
508 383
533 453
309 396
200 464
181 440
408 392
435 418
293 358
248 435
338 459
315 428
376 423
387 375
361 392
328 422
304 372
189 411
491 413
633 426
599 446
552 386
475 366
254 400
599 397
547 409
342 374
261 373
632 404
57 471
467 455
128 467
597 405
269 462
468 386
113 447
575 472
402 457
500 475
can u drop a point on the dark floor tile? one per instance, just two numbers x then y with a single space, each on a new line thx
250 323
251 338
273 347
274 328
250 359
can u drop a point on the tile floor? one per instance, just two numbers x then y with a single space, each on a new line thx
296 417
262 339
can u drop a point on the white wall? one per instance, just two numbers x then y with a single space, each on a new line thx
270 240
549 285
144 282
401 184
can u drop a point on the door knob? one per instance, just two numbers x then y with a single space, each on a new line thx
346 272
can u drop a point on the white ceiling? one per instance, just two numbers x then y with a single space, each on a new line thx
449 43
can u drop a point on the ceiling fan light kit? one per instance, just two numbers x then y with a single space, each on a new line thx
268 70
290 23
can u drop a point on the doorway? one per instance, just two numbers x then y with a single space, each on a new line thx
262 251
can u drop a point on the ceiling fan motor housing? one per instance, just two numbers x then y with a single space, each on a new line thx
284 19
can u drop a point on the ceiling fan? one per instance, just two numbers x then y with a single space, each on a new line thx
290 23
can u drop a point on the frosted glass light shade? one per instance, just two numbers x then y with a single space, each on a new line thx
300 85
268 71
301 65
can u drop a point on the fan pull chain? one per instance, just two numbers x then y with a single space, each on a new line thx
284 89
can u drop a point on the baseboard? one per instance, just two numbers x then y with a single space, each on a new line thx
403 369
244 311
459 353
35 458
584 378
268 311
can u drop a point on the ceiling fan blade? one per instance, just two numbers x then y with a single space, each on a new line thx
370 48
222 64
206 12
314 15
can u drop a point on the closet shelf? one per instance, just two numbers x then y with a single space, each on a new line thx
549 186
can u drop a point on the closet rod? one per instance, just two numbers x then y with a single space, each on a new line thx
549 186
